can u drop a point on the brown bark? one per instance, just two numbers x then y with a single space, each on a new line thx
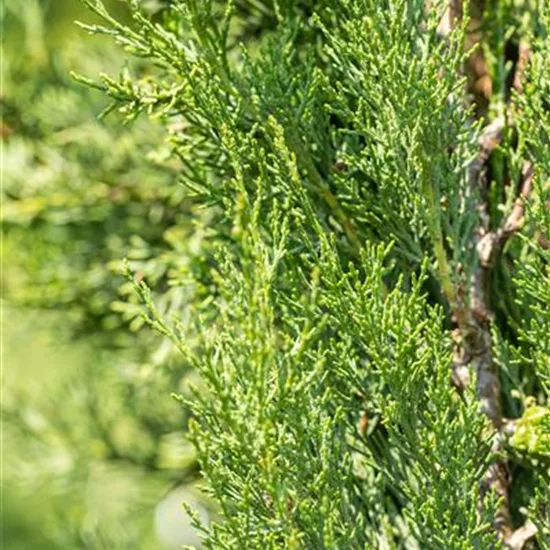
472 312
521 536
473 339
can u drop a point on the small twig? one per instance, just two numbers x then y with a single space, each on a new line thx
490 139
493 241
515 218
521 536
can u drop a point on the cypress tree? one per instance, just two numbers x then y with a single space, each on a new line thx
374 335
377 351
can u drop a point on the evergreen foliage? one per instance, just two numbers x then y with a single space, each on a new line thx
372 320
336 130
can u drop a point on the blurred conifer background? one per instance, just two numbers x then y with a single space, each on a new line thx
93 444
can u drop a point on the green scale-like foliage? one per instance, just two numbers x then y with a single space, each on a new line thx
329 419
326 149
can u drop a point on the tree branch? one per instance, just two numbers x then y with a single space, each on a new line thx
473 339
521 536
493 241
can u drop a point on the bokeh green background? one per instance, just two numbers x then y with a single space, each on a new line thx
92 439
